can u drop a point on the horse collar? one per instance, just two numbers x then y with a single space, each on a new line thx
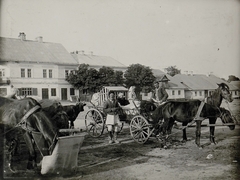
23 122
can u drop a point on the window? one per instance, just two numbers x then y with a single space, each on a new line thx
3 91
200 93
29 73
72 91
195 93
235 92
66 73
26 91
44 73
50 73
173 92
22 73
179 92
2 72
53 91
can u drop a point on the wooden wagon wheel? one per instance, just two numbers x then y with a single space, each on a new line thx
140 129
94 122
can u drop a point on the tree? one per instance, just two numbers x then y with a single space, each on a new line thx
172 70
106 76
232 78
118 76
140 76
84 78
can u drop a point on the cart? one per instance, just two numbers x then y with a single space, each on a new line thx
141 129
65 153
95 117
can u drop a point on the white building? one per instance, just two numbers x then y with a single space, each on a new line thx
36 68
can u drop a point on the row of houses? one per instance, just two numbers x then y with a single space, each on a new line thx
37 68
193 86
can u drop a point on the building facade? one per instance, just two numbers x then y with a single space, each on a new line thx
36 68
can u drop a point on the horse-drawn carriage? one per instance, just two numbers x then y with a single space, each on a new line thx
95 117
141 121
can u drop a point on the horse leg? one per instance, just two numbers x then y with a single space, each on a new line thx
184 132
32 153
12 148
169 129
71 124
212 129
198 132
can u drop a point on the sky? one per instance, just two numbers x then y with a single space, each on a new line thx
202 36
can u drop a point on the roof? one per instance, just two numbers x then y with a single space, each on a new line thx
94 60
12 50
173 83
157 72
201 82
236 83
162 78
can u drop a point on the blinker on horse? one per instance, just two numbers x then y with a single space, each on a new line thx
14 113
185 113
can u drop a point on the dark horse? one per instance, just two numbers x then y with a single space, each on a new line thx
185 112
73 111
26 116
54 110
222 92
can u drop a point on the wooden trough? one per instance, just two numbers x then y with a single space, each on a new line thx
64 156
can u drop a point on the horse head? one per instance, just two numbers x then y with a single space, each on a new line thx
225 92
61 120
226 117
80 106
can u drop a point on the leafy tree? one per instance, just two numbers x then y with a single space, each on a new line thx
118 76
232 78
140 76
172 70
84 78
106 76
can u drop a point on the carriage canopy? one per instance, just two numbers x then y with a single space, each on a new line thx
103 94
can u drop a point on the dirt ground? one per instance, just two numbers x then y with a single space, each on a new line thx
131 161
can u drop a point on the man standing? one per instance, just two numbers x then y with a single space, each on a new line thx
160 94
111 108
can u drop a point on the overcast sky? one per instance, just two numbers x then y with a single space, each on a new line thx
194 35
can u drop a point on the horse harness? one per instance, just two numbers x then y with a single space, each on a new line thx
23 122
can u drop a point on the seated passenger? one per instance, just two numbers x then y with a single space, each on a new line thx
122 100
132 98
95 99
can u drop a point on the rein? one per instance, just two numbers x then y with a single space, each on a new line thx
24 120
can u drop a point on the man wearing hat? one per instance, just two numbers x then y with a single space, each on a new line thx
160 94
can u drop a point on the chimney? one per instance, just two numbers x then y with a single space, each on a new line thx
22 36
39 39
